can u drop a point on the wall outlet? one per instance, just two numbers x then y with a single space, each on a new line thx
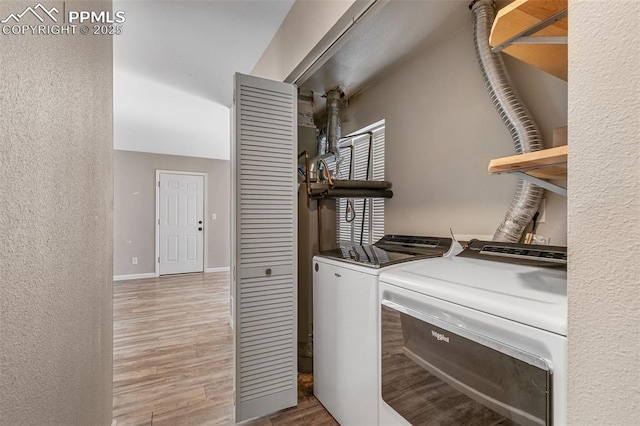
214 216
540 239
134 260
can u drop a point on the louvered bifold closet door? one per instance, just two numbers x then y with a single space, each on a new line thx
266 246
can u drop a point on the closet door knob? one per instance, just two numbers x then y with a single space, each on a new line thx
268 271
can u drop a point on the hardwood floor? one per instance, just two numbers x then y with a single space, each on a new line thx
173 356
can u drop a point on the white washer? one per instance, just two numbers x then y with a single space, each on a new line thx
345 322
460 334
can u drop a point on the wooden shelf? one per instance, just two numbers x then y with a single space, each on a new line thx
518 18
544 164
535 166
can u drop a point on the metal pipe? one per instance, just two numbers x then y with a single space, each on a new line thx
353 193
361 184
319 215
308 185
327 171
515 115
306 171
334 128
321 146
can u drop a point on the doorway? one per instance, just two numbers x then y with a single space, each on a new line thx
180 213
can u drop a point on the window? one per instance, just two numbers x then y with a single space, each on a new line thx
361 220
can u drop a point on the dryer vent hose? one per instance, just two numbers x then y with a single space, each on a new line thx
515 115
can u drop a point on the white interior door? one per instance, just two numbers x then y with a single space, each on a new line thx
264 245
181 223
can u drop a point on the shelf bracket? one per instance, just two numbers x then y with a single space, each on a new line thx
531 30
541 40
541 183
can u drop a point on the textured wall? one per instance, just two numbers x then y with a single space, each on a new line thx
56 205
135 208
441 132
604 213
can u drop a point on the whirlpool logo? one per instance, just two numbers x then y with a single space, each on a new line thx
439 336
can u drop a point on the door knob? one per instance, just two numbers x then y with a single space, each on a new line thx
199 229
200 222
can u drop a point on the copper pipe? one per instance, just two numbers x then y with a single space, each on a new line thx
306 162
327 171
306 165
319 210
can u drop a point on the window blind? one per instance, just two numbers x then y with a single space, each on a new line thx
369 213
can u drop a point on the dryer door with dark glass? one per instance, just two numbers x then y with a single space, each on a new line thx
435 373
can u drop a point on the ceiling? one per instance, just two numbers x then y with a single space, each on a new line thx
196 45
373 46
174 62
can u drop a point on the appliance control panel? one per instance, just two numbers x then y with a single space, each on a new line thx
414 241
523 254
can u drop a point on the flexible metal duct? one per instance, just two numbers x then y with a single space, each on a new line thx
334 128
515 115
330 159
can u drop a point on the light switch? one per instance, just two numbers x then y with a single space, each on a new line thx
213 216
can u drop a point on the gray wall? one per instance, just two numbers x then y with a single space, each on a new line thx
56 232
604 213
441 132
135 208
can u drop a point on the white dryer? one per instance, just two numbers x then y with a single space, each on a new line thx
478 338
345 321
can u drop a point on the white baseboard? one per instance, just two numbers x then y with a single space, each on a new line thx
153 275
134 276
222 269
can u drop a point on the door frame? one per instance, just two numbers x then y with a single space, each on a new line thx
205 213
